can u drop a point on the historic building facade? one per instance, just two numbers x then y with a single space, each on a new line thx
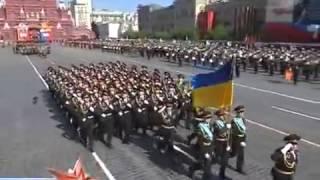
181 15
82 10
49 13
114 21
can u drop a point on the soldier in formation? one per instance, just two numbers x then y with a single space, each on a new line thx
269 58
113 98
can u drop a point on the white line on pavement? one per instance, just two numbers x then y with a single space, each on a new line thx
94 154
37 72
294 112
103 166
279 94
282 132
184 153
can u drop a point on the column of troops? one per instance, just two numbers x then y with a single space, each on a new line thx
80 44
300 61
108 99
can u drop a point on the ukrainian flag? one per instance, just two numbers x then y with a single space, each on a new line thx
214 89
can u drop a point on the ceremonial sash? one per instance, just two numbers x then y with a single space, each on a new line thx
240 124
220 124
205 131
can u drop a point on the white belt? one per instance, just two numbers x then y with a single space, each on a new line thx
206 144
221 139
167 127
283 172
105 115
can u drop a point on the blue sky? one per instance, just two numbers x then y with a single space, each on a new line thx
126 5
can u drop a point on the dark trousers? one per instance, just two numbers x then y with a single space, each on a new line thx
238 151
271 71
222 156
188 119
255 68
202 162
107 129
167 134
237 71
125 127
86 133
278 176
244 66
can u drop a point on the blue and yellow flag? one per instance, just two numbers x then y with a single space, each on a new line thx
214 89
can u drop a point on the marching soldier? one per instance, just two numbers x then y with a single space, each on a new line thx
106 113
286 159
271 67
142 112
87 123
167 128
237 67
187 108
125 118
221 130
204 135
295 74
238 129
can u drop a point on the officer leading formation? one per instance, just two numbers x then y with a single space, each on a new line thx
107 99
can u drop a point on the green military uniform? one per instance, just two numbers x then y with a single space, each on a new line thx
238 129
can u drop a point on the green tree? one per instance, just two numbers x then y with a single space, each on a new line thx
219 33
183 34
162 35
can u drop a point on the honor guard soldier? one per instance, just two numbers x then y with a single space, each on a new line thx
238 130
286 159
205 138
204 135
221 130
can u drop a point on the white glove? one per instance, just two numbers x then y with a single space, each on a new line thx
84 119
228 148
229 126
120 113
243 144
286 148
91 109
207 155
104 115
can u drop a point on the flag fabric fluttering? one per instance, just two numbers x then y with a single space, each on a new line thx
214 89
77 173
